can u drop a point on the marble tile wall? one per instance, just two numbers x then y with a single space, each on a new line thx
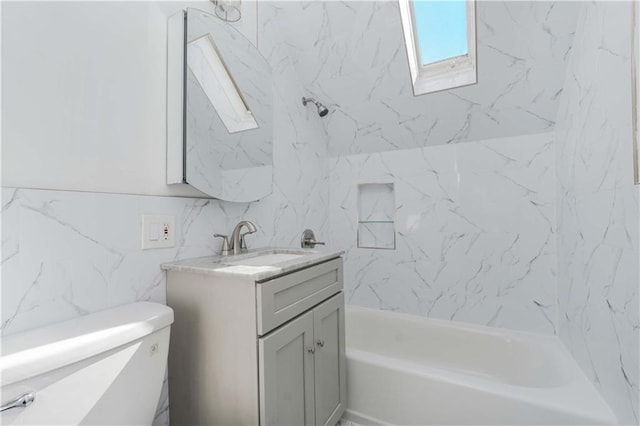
475 232
598 208
351 55
66 254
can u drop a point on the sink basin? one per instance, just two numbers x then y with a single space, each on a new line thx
256 265
268 258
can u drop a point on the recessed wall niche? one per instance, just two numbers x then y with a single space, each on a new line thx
376 216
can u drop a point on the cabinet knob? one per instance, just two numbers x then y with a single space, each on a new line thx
311 350
320 343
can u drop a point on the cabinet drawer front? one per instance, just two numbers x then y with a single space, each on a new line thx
283 298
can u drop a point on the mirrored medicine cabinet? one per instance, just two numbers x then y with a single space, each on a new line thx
220 109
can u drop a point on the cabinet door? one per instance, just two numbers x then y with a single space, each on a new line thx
286 374
330 377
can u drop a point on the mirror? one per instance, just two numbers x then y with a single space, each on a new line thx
220 109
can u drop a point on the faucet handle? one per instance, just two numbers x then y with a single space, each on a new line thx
243 243
308 239
225 244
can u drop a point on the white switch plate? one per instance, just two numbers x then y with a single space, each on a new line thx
158 231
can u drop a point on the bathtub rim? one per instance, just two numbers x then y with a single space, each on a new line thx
460 325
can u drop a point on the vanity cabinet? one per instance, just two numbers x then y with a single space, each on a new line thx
251 349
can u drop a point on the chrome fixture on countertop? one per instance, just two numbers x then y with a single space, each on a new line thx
237 244
322 110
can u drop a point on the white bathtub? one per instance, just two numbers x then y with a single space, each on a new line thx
408 370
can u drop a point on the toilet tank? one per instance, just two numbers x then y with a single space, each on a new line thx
103 368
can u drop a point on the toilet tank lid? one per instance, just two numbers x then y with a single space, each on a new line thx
38 351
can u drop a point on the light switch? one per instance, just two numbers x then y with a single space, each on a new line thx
158 231
154 231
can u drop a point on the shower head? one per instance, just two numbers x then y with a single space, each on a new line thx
322 110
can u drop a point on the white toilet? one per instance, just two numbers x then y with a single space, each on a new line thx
104 368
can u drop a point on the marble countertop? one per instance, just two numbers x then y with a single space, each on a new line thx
231 266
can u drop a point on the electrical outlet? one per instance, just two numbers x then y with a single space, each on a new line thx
158 231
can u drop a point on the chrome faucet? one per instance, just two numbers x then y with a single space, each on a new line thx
237 244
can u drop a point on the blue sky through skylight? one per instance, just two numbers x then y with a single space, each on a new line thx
441 27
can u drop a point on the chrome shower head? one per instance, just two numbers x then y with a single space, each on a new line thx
322 110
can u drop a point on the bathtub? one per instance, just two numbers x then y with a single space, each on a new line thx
409 370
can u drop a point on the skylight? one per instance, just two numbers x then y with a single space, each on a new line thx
440 39
441 27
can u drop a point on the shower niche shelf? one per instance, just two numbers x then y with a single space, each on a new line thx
376 216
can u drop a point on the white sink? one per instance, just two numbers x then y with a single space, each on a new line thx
269 258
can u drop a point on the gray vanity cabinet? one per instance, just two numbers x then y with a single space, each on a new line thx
302 368
256 349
